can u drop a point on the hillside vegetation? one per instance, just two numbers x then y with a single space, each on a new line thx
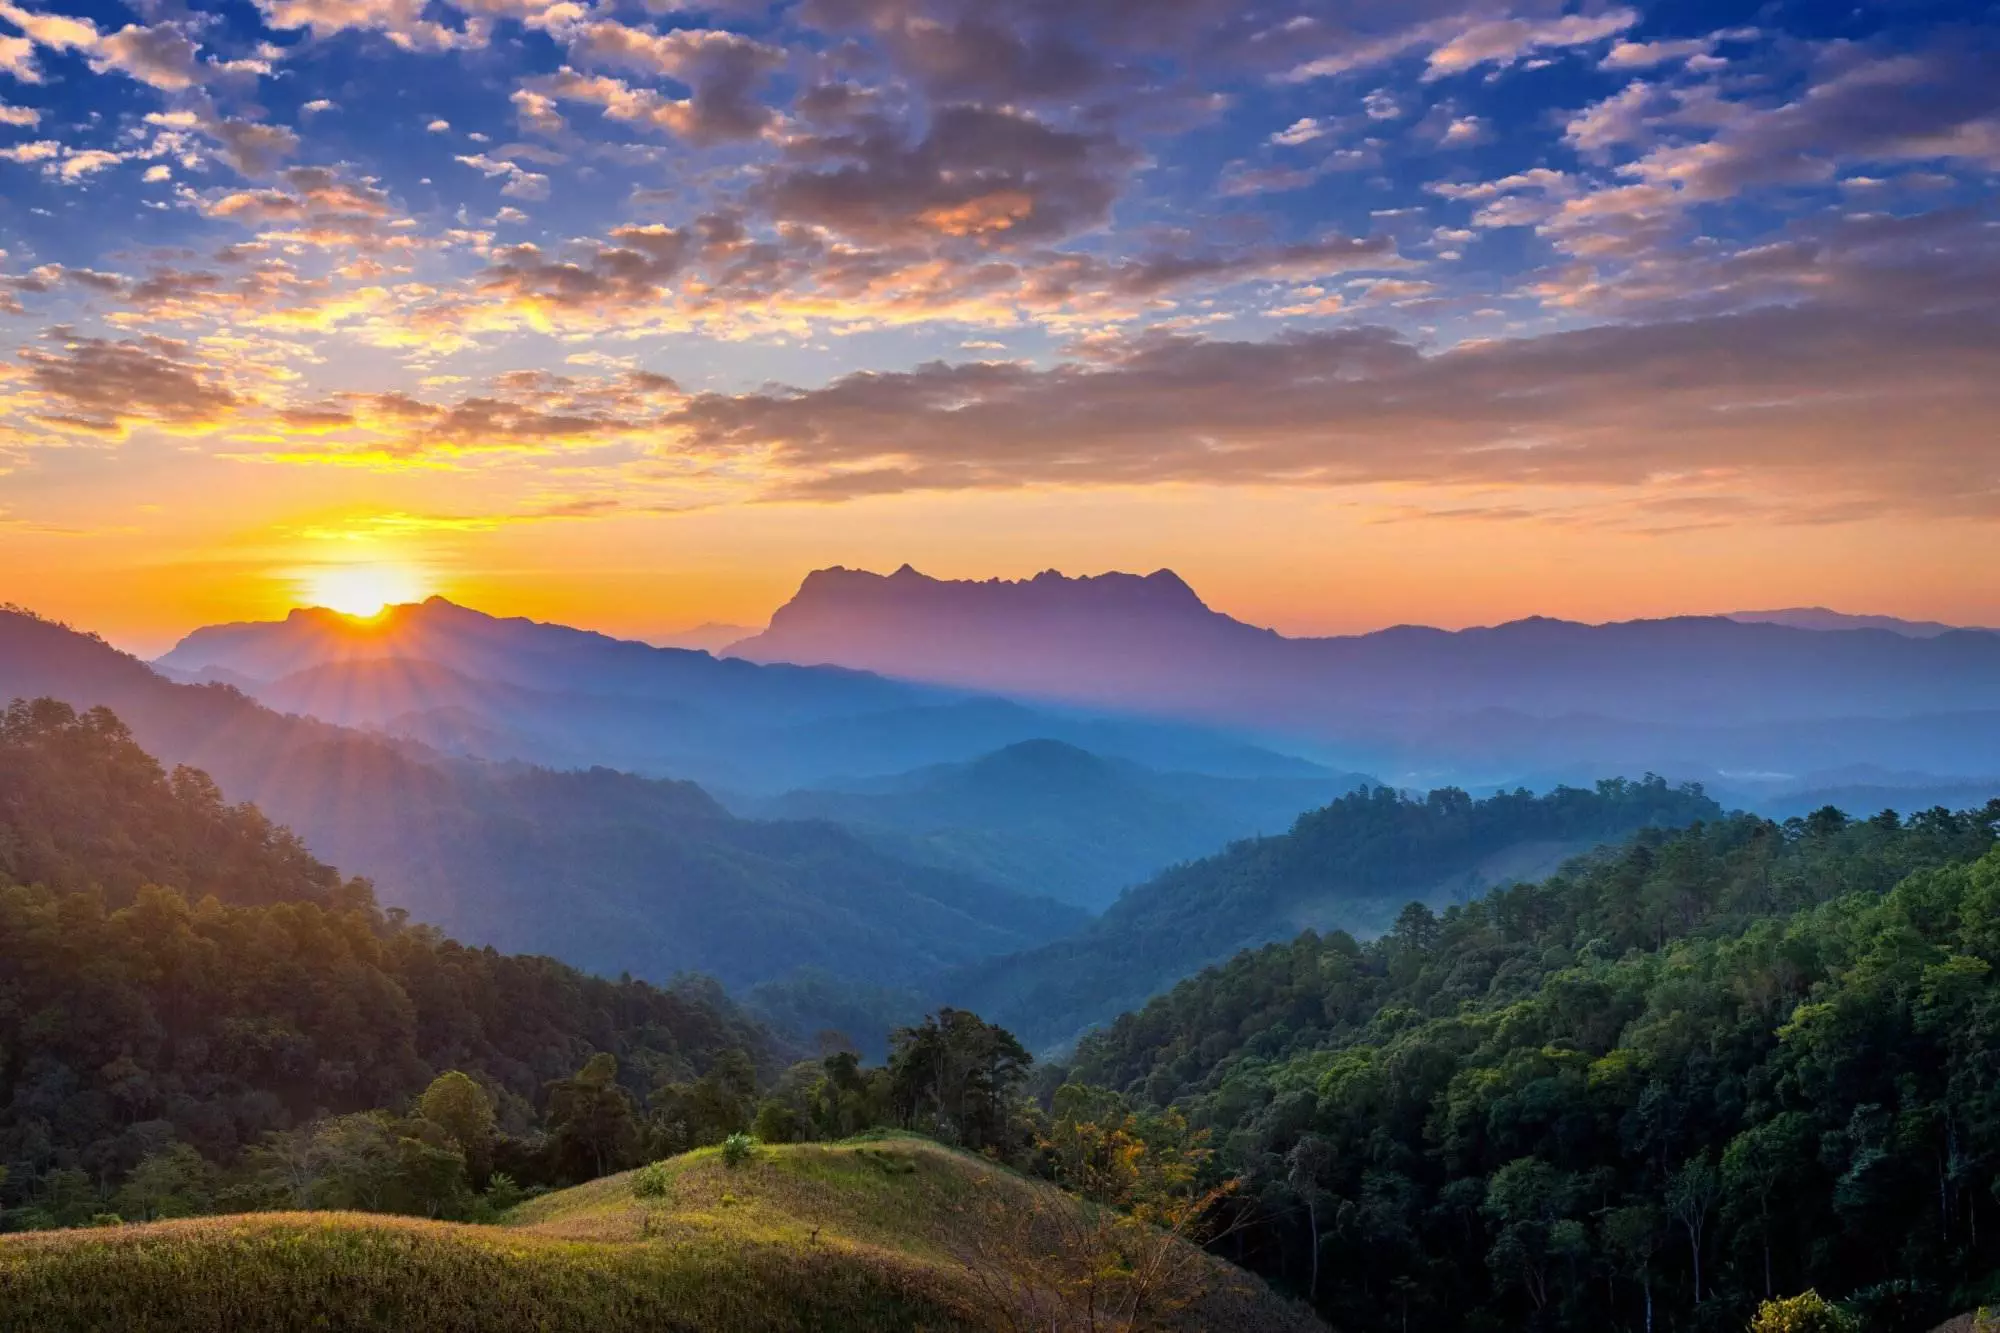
1351 865
178 976
1711 1067
894 1233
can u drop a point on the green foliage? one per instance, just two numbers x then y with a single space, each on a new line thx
464 1111
738 1149
1682 1076
1808 1312
1355 863
954 1077
593 1122
145 1028
652 1181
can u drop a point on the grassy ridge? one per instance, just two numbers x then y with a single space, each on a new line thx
893 1234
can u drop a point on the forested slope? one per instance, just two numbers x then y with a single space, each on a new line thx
258 989
1713 1065
1352 864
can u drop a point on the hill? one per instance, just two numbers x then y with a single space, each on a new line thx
472 684
1704 1068
1352 865
607 871
1694 696
896 1233
182 972
1047 817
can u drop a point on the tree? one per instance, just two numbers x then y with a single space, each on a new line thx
955 1076
1691 1195
463 1110
592 1119
1755 1167
1529 1202
173 1182
1634 1234
1308 1160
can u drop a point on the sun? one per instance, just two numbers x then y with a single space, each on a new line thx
364 591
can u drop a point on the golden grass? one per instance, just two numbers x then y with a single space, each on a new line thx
882 1235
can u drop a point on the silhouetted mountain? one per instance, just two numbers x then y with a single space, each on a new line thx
1351 866
711 637
1047 817
1671 695
605 870
472 684
1820 618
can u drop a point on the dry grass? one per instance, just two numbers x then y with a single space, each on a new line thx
885 1235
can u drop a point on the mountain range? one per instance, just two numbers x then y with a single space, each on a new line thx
466 683
1540 700
606 870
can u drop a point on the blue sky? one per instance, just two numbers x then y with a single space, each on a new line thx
1646 267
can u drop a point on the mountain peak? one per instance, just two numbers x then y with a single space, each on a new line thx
1163 588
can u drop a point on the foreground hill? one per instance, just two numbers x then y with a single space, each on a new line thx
607 871
1350 866
1047 817
892 1234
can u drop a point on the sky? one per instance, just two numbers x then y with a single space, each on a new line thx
1354 312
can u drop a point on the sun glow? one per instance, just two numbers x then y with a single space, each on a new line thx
364 590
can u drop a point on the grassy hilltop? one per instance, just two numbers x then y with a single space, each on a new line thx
892 1233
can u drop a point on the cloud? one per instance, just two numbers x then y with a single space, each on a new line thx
401 21
521 183
38 150
251 147
723 71
1790 401
999 175
19 117
1505 41
632 269
162 55
108 388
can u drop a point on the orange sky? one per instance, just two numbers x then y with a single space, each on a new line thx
142 554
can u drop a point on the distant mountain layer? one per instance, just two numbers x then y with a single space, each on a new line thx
1351 866
1046 817
604 870
1820 618
1693 695
467 683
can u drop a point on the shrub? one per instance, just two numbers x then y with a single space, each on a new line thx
738 1149
1808 1312
651 1181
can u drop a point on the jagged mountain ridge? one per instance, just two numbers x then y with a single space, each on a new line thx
1693 695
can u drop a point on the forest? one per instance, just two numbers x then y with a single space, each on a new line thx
1689 1073
1701 1069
